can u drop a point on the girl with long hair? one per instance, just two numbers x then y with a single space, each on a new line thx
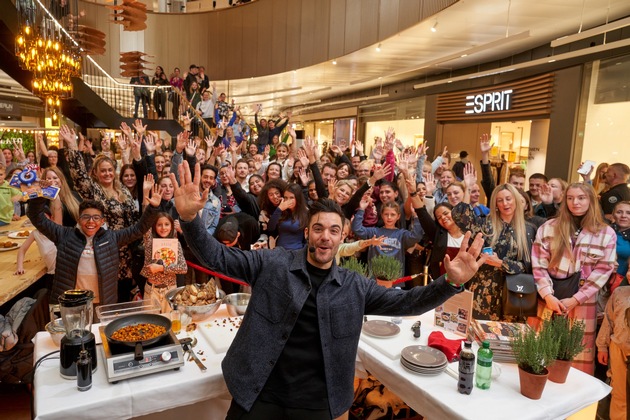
159 95
290 218
65 208
577 240
510 237
161 267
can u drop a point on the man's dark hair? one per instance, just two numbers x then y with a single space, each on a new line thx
91 204
538 175
329 165
212 168
192 66
325 205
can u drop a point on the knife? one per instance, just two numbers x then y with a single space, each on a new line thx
195 358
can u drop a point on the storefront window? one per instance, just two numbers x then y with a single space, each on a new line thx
406 117
607 124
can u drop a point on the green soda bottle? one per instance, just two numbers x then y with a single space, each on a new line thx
483 373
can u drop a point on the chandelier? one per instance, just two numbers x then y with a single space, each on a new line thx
44 48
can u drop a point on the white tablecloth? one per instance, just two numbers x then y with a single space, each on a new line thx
436 397
187 391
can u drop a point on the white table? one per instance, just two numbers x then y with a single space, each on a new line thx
187 393
436 397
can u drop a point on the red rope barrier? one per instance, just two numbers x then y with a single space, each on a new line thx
242 283
213 273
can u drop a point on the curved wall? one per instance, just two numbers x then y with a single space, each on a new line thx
264 37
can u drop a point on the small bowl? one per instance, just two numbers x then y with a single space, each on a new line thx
56 330
236 303
197 313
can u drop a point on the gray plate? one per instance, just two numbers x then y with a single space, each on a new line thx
423 356
380 329
422 371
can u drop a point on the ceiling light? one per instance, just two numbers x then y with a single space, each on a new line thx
378 48
434 27
334 62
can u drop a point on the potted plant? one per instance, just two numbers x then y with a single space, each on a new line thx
353 264
533 351
385 269
569 334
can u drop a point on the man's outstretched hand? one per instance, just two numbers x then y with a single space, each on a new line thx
465 265
188 199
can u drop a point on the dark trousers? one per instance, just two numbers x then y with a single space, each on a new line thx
145 102
262 410
159 102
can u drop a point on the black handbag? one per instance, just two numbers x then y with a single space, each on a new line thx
566 288
520 295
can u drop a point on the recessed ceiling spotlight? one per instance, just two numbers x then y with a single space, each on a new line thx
378 47
434 27
334 62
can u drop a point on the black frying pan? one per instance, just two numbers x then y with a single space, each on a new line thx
126 321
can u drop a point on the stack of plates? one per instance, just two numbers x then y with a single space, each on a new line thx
423 360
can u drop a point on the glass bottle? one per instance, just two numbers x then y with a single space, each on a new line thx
176 320
483 374
84 371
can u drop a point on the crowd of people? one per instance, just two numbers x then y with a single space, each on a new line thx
395 202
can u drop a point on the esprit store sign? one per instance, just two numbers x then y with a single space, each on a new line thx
489 102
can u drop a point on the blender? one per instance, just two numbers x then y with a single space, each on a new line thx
76 311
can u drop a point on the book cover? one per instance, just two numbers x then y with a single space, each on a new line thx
165 250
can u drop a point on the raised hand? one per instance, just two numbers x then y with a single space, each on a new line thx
182 141
126 130
303 176
149 143
470 175
422 150
123 144
266 151
445 152
358 146
467 262
301 154
191 147
546 194
136 147
366 200
147 184
106 144
332 187
231 175
381 172
485 143
292 133
399 145
140 129
429 182
188 199
69 136
156 196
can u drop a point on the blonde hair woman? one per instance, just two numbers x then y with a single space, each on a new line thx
577 240
65 208
510 237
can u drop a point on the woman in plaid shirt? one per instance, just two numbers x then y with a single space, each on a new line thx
578 239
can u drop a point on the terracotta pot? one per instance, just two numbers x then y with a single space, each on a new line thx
559 370
532 386
385 283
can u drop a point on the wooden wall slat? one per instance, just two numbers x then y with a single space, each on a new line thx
388 18
263 37
353 26
274 57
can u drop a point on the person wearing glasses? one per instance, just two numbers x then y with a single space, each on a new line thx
87 254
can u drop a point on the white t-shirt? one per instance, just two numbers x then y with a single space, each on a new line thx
454 242
87 276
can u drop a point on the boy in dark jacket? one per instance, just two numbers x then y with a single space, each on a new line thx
87 255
